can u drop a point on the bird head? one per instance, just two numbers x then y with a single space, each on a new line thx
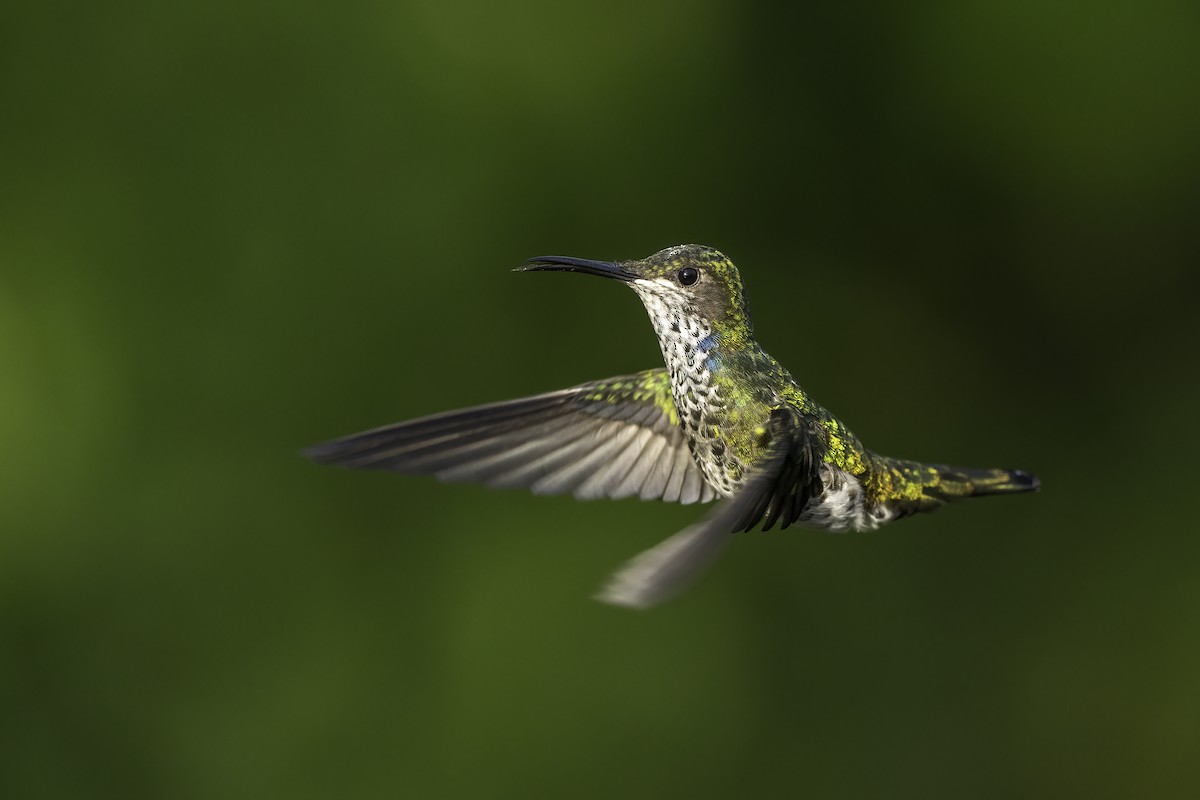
686 285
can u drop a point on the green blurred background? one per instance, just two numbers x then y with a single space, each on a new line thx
231 229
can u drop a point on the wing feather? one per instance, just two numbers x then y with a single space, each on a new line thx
613 438
607 479
658 473
598 451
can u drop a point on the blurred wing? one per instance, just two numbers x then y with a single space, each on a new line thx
778 488
613 438
804 444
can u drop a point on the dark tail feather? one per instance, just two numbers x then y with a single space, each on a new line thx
964 482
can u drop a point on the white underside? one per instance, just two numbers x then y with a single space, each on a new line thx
841 508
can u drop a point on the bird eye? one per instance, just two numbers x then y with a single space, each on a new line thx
689 275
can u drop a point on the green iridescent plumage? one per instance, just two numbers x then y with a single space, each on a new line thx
723 419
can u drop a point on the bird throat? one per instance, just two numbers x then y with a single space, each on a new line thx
691 349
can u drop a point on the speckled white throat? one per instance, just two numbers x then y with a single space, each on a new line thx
690 351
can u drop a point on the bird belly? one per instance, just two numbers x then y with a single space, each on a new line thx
720 446
842 507
723 471
711 432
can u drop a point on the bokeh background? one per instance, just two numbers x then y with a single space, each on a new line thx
231 229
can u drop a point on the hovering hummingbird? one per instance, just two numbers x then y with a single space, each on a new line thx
723 420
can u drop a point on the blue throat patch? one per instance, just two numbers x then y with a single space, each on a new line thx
708 346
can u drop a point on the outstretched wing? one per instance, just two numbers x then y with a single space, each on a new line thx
779 487
614 438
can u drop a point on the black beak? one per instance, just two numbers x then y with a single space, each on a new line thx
605 269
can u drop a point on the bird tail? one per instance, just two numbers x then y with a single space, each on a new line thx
908 487
957 482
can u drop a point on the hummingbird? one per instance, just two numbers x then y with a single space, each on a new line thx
721 420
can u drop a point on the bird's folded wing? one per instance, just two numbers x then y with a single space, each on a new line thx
778 488
613 438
